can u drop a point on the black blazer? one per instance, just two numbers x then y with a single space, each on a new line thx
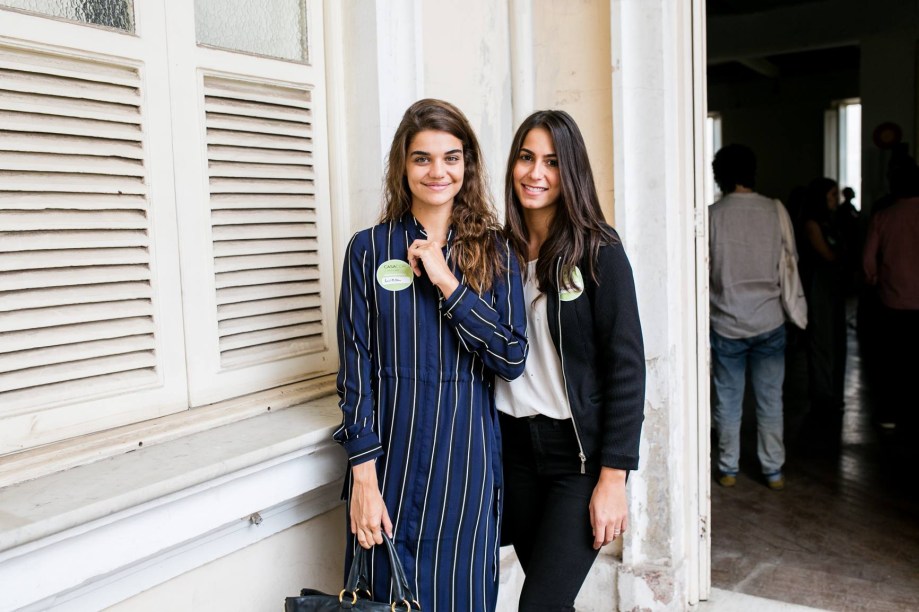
599 342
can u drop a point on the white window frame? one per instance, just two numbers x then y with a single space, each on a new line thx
208 381
172 68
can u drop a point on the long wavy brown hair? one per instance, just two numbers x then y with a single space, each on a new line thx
578 228
475 221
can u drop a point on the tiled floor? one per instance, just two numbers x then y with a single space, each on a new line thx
844 534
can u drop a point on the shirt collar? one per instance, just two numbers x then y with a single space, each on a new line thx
415 230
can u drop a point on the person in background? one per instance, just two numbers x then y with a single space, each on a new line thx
431 312
746 315
850 222
891 263
572 423
824 274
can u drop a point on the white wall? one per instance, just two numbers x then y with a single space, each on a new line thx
573 72
258 577
464 50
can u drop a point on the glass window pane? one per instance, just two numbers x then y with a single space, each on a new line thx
110 13
276 28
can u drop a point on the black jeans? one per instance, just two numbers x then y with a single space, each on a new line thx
547 509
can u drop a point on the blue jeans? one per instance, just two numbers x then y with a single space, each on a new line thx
765 355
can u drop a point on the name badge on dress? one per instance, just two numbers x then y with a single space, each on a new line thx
395 275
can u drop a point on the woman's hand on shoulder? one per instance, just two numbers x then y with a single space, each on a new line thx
428 255
368 512
609 509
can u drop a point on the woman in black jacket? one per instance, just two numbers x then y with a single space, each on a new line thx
571 424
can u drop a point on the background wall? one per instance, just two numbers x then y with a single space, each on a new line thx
787 134
781 119
465 60
258 577
573 72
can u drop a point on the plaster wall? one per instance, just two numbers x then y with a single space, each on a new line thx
465 60
259 576
573 72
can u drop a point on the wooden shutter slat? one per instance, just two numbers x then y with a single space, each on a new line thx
85 183
243 108
24 200
237 295
230 185
71 314
70 145
272 321
72 219
231 248
266 277
72 239
259 156
81 294
75 370
256 141
59 65
265 336
36 123
70 334
34 358
259 126
69 107
256 92
11 281
53 162
307 343
38 260
262 216
255 308
264 231
270 171
53 85
20 401
263 262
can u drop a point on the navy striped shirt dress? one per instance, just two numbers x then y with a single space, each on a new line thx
416 392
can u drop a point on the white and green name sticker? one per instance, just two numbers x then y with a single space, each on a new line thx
575 287
395 275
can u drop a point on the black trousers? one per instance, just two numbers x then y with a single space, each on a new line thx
900 346
547 510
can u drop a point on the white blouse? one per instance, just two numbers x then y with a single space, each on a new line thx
541 387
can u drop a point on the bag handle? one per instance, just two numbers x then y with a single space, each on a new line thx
359 577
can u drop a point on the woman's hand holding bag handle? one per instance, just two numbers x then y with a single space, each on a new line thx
357 594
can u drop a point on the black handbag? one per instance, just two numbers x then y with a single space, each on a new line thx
357 595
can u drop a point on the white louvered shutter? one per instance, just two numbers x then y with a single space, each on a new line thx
81 345
263 220
257 226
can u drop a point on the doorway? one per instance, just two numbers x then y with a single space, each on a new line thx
786 77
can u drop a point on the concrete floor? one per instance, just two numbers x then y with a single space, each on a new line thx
844 534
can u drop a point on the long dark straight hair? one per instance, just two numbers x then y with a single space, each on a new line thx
578 229
474 218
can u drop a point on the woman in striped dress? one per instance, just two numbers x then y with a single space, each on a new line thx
431 310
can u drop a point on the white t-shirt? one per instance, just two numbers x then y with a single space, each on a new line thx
541 388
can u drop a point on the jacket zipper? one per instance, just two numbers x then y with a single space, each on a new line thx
561 355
